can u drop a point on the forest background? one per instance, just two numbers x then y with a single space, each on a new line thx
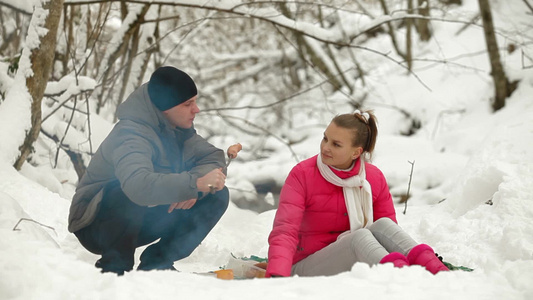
266 70
443 76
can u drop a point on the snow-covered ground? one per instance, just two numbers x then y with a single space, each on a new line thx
464 159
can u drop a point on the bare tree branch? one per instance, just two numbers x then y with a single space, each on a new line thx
523 60
310 3
65 133
328 41
268 132
31 220
466 25
270 104
16 8
528 5
62 104
409 186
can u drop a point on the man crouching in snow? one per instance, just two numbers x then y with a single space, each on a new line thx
152 178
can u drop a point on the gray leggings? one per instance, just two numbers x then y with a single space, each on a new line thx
368 245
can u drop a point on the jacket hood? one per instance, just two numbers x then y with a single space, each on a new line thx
139 108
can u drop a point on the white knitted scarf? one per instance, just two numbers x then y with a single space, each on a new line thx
357 194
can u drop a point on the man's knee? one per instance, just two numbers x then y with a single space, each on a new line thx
217 203
88 241
223 198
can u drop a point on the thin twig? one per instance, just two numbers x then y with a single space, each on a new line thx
65 147
62 104
242 190
89 131
15 8
523 61
268 132
409 186
31 220
270 104
66 131
318 4
466 25
528 5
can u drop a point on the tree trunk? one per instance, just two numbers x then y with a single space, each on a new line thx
391 30
408 37
331 55
154 42
422 25
501 84
314 58
132 53
42 59
68 30
118 52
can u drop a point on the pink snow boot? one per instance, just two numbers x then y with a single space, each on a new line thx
399 260
424 256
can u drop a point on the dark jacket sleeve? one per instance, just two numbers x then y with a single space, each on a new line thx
202 156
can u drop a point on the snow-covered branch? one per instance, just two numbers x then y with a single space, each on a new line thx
25 7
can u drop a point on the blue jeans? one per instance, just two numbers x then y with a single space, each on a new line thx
121 226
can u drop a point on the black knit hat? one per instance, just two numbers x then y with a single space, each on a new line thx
169 87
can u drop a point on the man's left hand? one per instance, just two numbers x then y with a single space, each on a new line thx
182 205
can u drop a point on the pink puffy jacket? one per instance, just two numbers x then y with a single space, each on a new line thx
312 213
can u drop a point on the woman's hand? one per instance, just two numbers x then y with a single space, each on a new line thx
182 205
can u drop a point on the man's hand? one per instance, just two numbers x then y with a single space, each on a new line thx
182 205
214 180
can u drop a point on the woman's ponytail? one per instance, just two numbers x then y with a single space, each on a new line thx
364 125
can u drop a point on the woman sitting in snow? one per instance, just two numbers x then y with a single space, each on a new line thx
335 210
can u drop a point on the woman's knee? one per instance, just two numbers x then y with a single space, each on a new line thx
366 247
381 224
361 237
384 221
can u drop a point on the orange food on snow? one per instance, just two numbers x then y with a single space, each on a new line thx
224 274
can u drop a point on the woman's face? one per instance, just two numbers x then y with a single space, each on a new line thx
337 148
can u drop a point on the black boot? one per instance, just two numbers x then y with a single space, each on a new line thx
153 258
148 266
117 266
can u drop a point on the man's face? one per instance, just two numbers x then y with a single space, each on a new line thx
182 115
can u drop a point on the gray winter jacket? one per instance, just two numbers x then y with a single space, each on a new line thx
154 162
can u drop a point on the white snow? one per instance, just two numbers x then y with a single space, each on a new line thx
464 157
